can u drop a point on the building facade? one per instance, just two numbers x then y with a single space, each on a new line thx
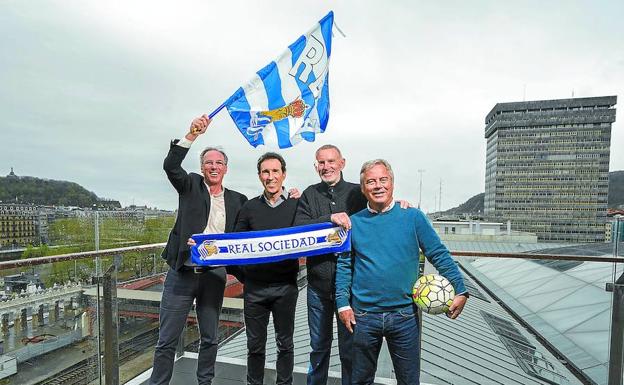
547 166
478 231
614 228
18 225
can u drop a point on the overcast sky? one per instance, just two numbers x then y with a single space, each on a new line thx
92 91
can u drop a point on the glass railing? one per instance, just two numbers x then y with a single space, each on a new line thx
50 319
536 317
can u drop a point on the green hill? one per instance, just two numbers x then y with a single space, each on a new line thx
27 189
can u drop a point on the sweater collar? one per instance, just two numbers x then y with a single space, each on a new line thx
282 198
385 209
338 188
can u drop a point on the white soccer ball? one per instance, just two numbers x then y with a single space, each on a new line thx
433 294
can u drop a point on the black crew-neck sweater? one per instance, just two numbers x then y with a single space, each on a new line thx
256 214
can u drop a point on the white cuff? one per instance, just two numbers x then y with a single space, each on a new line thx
343 308
184 142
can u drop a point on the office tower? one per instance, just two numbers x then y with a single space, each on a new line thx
547 166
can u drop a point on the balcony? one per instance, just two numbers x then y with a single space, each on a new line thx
537 315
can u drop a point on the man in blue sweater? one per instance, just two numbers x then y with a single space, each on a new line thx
374 283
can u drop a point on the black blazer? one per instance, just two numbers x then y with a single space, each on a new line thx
193 206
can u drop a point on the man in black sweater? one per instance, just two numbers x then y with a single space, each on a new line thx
270 287
331 200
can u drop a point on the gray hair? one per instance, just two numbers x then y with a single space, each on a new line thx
217 149
372 163
327 147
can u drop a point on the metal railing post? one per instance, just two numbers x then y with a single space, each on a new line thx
98 315
111 332
421 270
98 274
617 332
616 349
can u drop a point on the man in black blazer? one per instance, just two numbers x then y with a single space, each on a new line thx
204 206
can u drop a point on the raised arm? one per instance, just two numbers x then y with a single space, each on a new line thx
177 152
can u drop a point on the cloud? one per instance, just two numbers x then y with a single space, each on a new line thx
93 91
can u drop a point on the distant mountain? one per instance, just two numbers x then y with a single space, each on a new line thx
474 205
616 189
27 189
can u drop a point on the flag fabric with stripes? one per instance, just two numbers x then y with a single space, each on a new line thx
288 100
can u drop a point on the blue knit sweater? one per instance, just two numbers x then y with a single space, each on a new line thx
379 274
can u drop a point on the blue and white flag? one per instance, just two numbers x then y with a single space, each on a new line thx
266 246
288 100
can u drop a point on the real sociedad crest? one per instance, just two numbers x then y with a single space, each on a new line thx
206 249
259 119
337 237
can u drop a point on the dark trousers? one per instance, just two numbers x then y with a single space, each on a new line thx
181 289
321 312
400 329
261 299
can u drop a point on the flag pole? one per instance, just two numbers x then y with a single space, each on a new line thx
339 30
213 113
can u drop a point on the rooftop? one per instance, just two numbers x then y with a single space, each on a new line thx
552 104
482 354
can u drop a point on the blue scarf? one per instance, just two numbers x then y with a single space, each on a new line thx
269 245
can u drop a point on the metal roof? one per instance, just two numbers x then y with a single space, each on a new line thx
566 304
466 351
500 247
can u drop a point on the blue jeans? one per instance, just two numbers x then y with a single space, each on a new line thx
181 288
400 328
321 313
